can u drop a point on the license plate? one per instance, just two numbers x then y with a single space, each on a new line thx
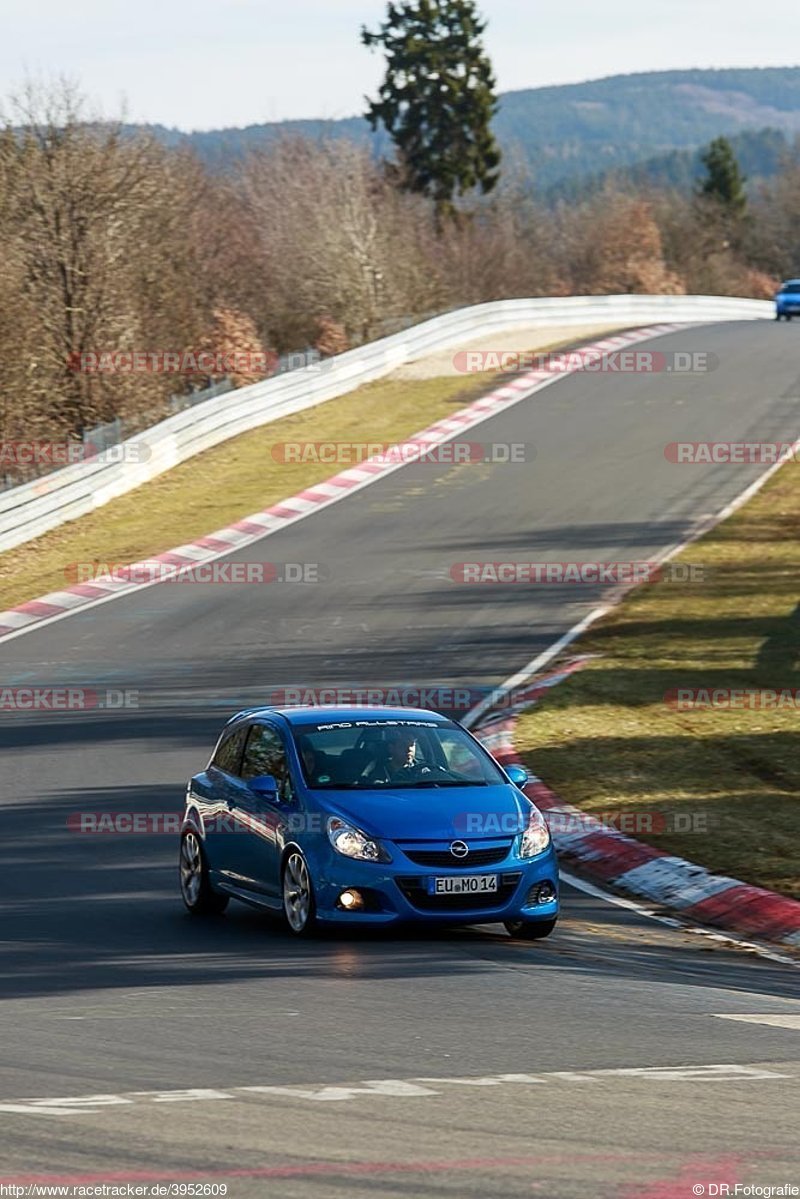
463 884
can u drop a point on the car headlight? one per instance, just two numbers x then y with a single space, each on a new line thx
349 841
536 837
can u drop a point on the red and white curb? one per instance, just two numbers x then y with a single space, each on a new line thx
608 856
79 596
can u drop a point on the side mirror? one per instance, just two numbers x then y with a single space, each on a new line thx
518 775
265 786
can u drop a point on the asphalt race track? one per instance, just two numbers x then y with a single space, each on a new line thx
598 1063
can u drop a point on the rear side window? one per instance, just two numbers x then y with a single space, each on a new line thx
791 289
229 753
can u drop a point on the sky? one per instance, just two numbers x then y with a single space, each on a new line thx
203 64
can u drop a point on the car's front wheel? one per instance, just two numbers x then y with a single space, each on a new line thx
196 891
529 930
299 907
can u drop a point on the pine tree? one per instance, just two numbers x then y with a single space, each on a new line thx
724 182
437 99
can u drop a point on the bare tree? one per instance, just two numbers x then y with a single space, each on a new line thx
336 238
92 217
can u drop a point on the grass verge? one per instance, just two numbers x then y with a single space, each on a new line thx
723 784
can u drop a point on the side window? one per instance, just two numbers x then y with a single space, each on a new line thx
229 753
265 754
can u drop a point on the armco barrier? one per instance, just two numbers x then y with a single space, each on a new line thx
44 504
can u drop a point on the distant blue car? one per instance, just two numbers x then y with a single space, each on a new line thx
367 816
787 300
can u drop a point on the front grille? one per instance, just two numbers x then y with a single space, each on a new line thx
415 892
443 857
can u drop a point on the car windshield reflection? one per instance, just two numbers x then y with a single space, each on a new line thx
377 754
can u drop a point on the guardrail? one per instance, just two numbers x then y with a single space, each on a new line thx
37 507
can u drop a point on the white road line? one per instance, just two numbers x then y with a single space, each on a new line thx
641 909
392 1088
774 1020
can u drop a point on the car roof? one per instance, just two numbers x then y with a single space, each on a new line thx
786 281
326 712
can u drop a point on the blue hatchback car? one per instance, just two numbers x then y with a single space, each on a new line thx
368 816
787 300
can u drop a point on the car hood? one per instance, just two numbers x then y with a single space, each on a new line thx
432 813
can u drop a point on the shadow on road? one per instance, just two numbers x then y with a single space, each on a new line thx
85 912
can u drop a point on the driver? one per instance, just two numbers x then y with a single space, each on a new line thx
397 761
402 747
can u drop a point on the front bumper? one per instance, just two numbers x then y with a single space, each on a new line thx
398 892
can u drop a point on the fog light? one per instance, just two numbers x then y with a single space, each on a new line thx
540 893
351 901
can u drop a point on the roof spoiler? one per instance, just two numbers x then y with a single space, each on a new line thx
248 712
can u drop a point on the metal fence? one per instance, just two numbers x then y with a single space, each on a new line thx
101 438
34 508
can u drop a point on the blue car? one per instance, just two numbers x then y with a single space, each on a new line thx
365 816
787 300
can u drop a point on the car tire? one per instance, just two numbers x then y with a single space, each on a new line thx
529 930
199 897
297 890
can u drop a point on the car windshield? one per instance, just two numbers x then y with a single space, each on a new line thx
339 754
790 288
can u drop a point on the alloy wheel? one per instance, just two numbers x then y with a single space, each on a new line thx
296 893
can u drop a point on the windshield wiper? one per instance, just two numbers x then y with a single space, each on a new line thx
336 786
375 785
449 783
